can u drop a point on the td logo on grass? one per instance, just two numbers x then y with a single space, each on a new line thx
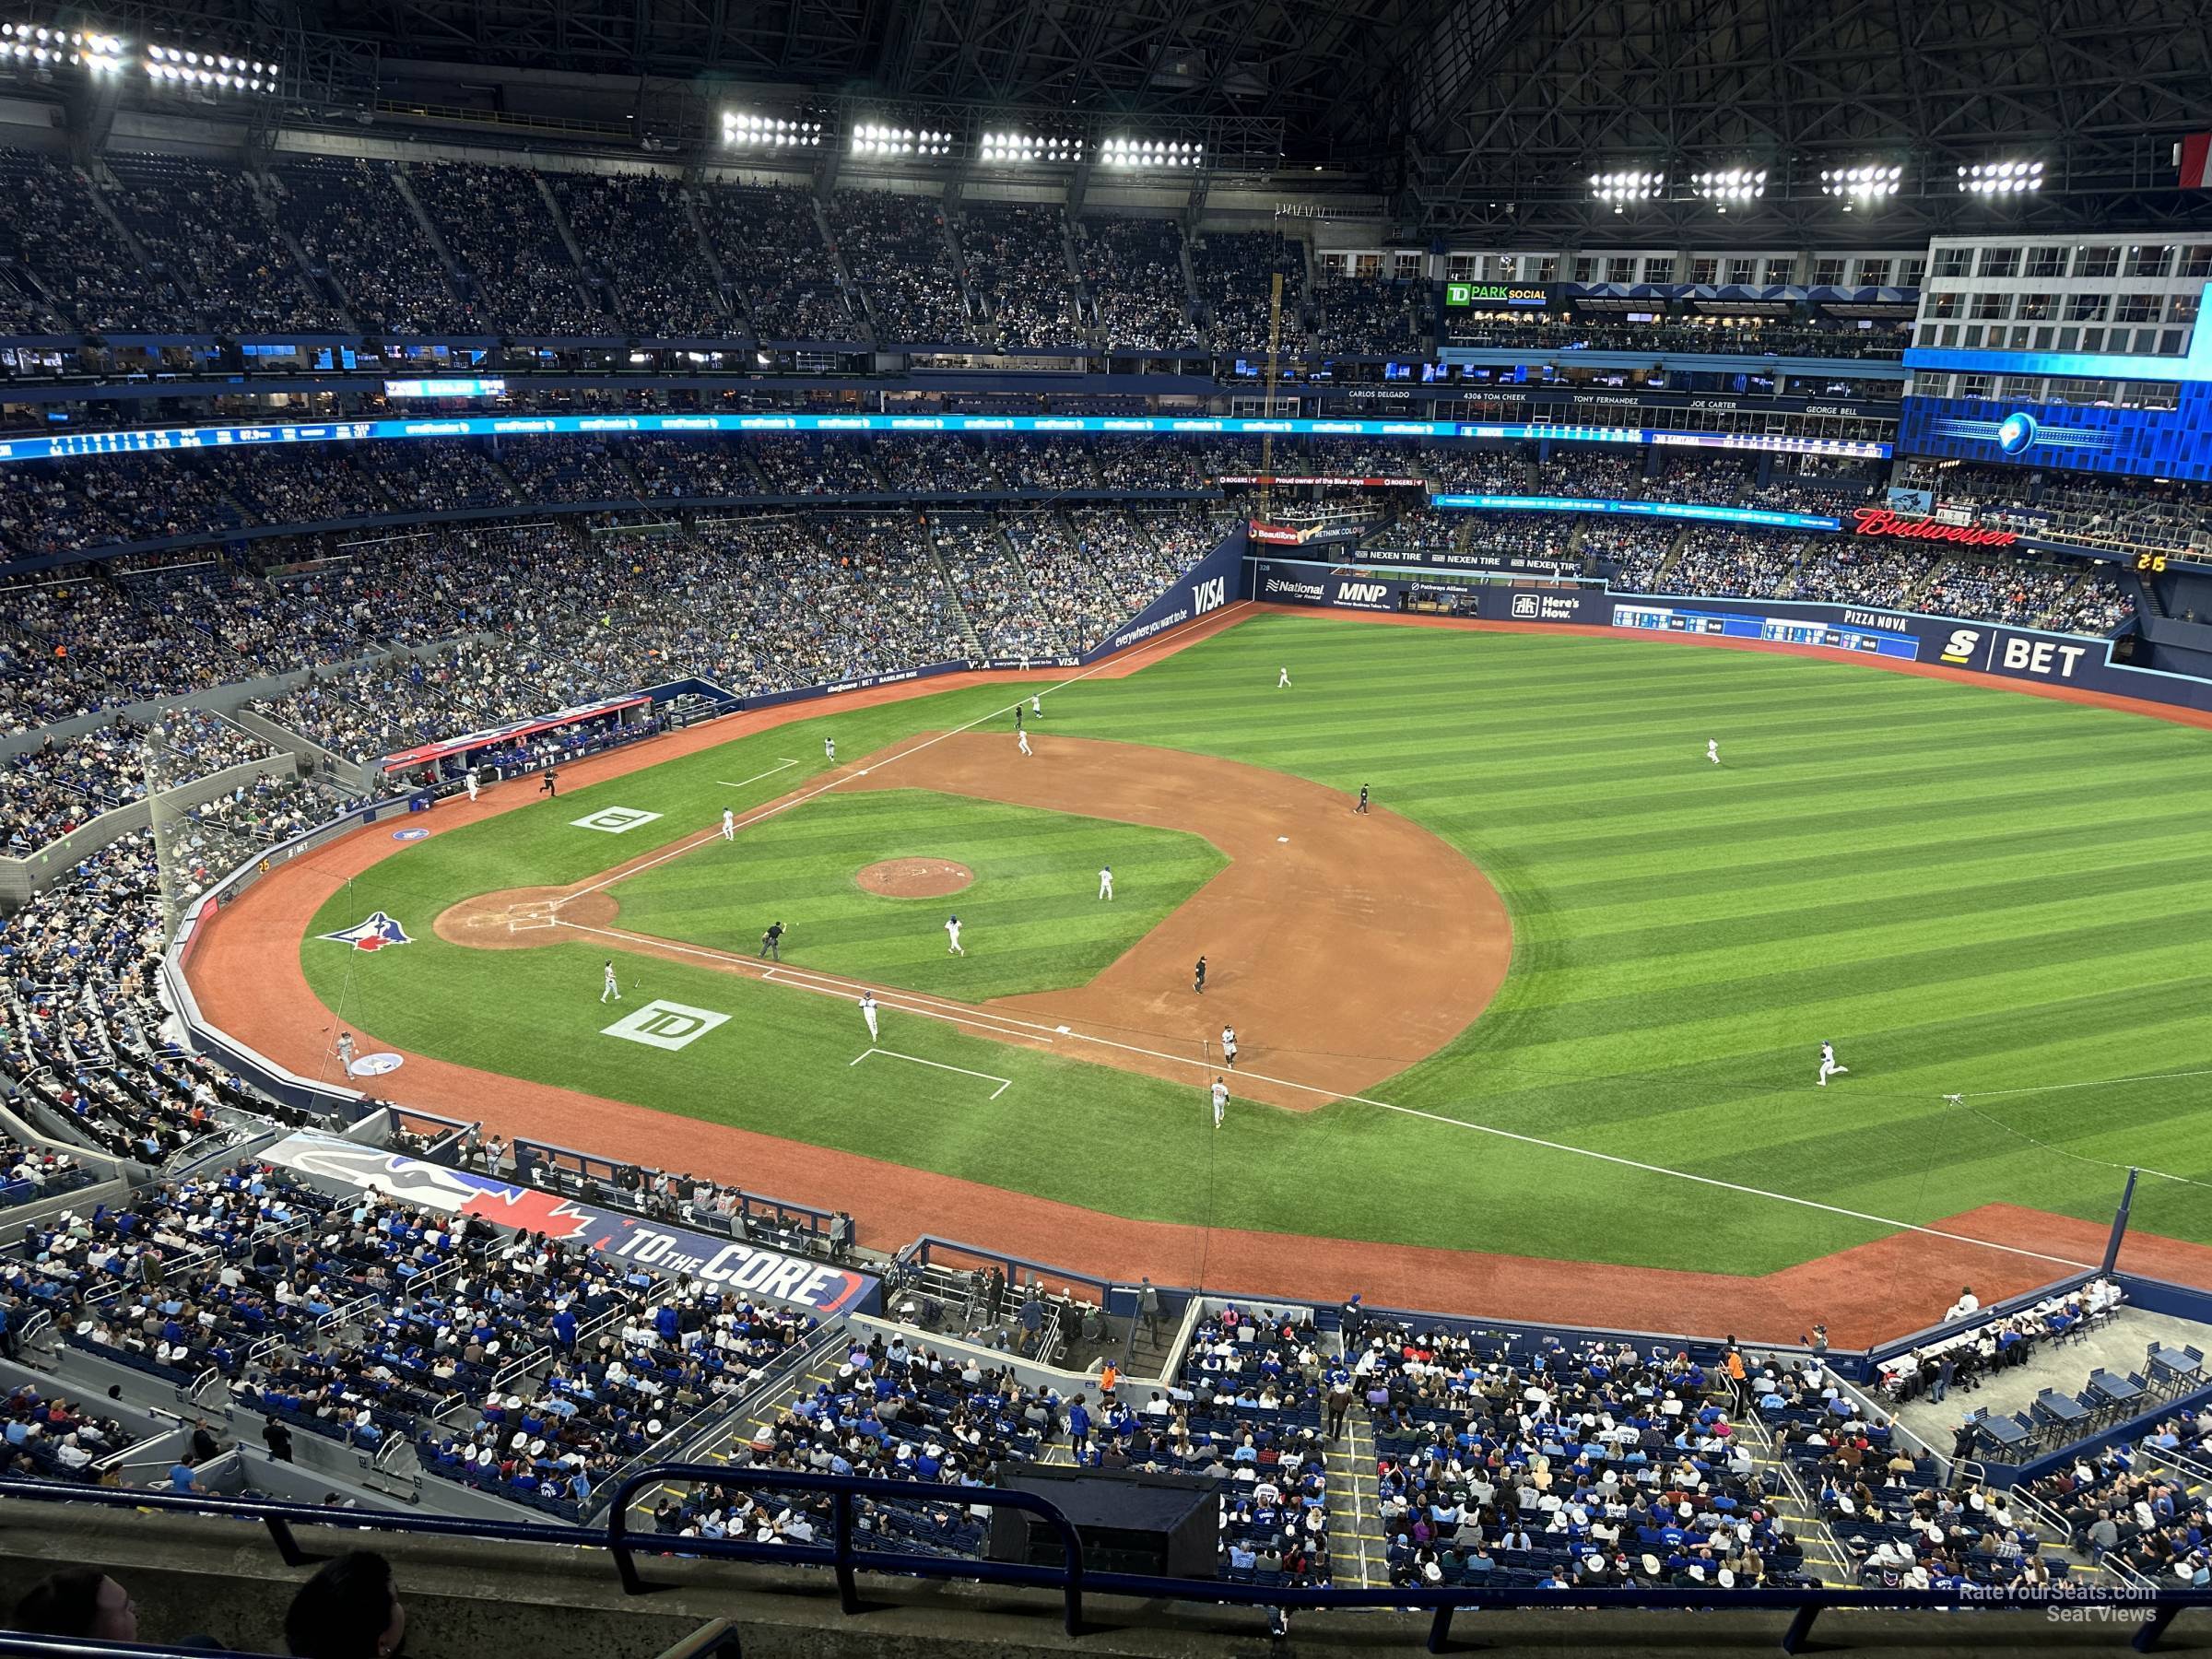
615 820
665 1025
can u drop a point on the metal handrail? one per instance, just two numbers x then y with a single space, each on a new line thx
2154 1607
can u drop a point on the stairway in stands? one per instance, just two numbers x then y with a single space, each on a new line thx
1795 1506
1358 1558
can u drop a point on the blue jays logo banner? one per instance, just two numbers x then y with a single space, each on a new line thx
376 933
625 1239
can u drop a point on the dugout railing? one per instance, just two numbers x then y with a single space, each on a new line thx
2143 1612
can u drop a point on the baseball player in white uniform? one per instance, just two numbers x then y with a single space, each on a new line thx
868 1012
952 929
1712 750
1024 735
1229 1046
1036 708
828 748
729 825
1220 1101
1105 881
345 1052
1282 679
1828 1068
469 777
611 989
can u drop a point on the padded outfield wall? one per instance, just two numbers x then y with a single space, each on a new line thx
1998 650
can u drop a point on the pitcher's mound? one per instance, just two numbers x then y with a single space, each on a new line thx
915 877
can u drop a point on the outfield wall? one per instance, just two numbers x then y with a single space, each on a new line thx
1996 649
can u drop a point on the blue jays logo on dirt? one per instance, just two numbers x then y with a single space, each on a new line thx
376 933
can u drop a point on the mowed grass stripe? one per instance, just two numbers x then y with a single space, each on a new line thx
1967 888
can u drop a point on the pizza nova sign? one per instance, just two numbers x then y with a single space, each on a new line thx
1881 520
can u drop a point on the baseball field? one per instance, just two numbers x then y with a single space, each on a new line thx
1561 994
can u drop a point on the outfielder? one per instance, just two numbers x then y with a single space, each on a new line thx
611 990
1282 679
830 748
469 777
1827 1063
1712 750
952 928
1229 1046
729 825
1023 734
1105 881
868 1012
1220 1101
1036 708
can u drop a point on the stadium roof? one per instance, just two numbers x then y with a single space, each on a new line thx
1471 112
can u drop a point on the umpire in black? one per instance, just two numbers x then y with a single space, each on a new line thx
771 942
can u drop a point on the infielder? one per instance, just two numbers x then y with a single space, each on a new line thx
611 990
1229 1046
1712 750
469 777
1220 1101
729 825
345 1052
1023 734
1036 708
868 1012
1105 881
1282 679
952 928
1827 1063
830 748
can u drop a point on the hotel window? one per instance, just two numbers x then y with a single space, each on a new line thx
2138 308
1940 306
1546 269
1990 308
2046 262
2148 261
2000 262
2036 308
2087 308
2181 308
1620 269
1828 273
1742 273
1912 272
1585 268
1975 385
1779 272
1954 262
1659 270
2097 262
1874 273
2196 261
1705 272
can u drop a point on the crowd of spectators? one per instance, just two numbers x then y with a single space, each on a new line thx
1560 330
895 247
1727 562
1017 267
771 248
499 226
1364 316
50 224
1132 272
1236 272
636 229
207 228
2140 1506
1599 1465
353 222
1000 605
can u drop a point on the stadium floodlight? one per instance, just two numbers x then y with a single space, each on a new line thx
1142 153
2001 178
873 138
1016 149
185 70
34 43
1861 185
1734 184
1620 188
769 132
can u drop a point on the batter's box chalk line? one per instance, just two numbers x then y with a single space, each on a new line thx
1004 1083
521 918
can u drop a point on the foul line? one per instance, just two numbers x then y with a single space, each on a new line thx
1009 1024
821 789
755 778
1004 1083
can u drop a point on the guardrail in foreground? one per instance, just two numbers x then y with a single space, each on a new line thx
2148 1610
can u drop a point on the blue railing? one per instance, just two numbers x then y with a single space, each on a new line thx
2148 1611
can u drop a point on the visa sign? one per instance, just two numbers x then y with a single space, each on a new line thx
1210 594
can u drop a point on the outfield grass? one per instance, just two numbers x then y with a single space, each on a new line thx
1032 920
1968 889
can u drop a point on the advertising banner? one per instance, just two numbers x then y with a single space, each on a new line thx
623 1240
1205 587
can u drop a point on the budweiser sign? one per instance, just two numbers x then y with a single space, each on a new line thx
1881 520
